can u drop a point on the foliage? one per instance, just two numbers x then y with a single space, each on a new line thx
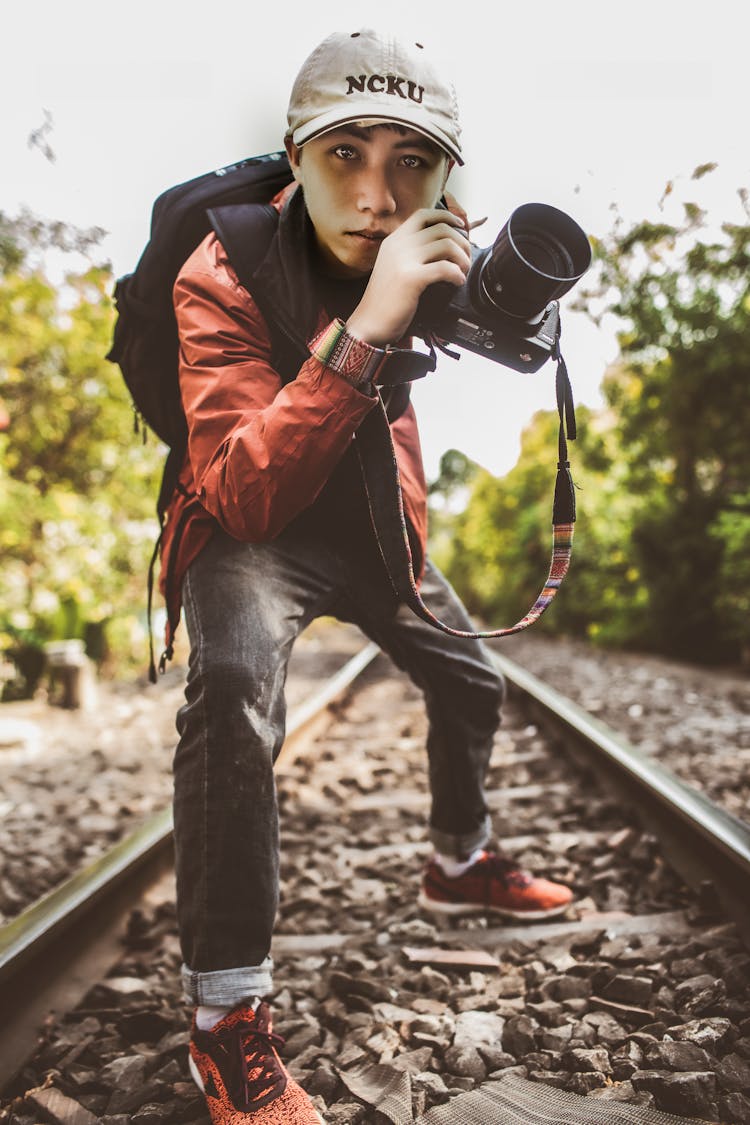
76 489
498 553
663 538
681 397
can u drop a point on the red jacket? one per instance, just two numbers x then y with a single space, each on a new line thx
259 452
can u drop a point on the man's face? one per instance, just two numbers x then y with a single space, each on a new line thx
360 185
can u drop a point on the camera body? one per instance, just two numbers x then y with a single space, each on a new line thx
507 309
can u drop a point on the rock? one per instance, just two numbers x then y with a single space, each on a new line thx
547 1012
478 1029
565 987
413 1061
679 1056
168 1074
733 1073
60 1109
582 1059
174 1043
742 1047
626 1060
736 1108
709 1032
496 1058
504 1072
635 991
307 1036
346 985
465 1062
688 1093
682 968
576 1006
438 985
511 983
323 1081
345 1113
351 1055
432 1084
384 1043
519 1036
556 1038
583 1082
628 1013
622 1092
697 994
558 1078
126 1073
125 1101
607 1028
432 1030
154 1113
145 1026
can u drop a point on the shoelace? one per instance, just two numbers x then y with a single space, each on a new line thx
244 1043
504 869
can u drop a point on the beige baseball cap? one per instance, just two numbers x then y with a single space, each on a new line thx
369 77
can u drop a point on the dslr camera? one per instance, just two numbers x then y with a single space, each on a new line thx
507 309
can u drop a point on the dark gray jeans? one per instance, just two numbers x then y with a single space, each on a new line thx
245 604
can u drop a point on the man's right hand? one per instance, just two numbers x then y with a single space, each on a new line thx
430 246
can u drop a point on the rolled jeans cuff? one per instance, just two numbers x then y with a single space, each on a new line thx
227 987
460 847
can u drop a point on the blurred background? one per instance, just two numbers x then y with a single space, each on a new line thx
630 121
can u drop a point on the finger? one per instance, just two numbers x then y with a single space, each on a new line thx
434 216
444 230
442 271
447 250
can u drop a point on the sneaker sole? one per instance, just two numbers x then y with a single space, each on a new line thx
196 1076
457 908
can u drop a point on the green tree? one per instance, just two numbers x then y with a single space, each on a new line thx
76 489
498 551
681 399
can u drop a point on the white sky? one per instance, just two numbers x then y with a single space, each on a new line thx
578 105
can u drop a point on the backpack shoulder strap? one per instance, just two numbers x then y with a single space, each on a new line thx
246 231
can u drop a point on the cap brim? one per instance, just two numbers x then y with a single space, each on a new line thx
362 112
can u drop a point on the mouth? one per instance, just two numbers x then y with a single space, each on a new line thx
372 236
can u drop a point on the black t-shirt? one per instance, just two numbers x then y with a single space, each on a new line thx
340 510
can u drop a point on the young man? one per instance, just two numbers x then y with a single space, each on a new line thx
270 528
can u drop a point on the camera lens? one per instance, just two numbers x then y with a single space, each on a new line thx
538 256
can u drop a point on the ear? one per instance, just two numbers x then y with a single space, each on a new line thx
294 152
449 164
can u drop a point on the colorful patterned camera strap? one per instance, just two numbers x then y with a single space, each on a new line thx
387 511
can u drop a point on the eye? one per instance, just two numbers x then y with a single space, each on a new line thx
345 152
411 160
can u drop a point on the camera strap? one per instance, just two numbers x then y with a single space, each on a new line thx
383 487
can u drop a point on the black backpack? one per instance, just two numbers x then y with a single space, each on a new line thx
145 342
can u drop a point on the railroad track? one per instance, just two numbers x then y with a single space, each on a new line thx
385 982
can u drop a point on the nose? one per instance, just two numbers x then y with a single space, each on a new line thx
376 194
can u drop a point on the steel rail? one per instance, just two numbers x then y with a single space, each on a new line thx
709 846
48 952
704 842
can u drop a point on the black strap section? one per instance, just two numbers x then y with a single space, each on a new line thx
246 232
149 604
564 505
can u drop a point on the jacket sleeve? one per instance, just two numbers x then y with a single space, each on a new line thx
260 452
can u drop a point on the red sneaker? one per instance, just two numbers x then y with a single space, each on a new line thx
494 883
237 1067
